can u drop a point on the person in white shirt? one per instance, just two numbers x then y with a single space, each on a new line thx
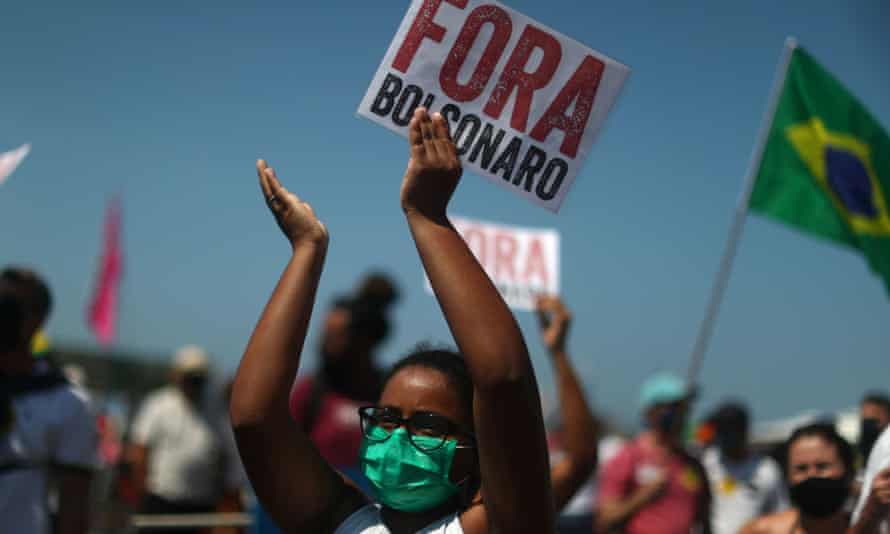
872 513
177 450
744 485
48 432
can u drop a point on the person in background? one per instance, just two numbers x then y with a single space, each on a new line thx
325 404
872 513
874 417
580 430
176 452
653 485
819 468
48 430
744 485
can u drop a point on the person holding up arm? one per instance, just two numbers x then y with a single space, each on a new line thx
455 444
580 428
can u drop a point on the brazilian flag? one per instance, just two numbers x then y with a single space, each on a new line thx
826 165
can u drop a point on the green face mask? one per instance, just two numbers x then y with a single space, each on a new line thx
403 477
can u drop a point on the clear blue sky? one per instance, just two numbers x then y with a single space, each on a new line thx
170 103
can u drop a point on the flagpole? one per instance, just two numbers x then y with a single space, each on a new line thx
706 329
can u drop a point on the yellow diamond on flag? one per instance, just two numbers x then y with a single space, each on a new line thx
842 166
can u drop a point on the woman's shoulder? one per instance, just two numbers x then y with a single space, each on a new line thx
779 523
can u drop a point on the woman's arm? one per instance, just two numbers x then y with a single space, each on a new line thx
509 425
295 485
580 428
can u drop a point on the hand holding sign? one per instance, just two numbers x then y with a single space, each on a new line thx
433 170
524 102
555 321
295 217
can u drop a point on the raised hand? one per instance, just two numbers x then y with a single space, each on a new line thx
554 320
434 168
295 217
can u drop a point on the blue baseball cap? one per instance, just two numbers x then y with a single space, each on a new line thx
662 388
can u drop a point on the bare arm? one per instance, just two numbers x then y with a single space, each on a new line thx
615 512
74 502
510 428
295 485
581 429
137 457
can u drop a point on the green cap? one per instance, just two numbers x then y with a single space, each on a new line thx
662 388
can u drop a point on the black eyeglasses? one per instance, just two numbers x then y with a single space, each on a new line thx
427 431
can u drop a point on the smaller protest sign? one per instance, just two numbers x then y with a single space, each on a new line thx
522 262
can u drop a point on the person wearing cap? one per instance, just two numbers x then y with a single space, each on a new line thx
176 451
653 485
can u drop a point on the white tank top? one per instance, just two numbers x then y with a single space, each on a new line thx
367 520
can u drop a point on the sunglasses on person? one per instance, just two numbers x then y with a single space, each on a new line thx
433 427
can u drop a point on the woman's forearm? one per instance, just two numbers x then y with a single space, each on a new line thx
483 327
272 357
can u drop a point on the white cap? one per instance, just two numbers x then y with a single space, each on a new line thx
191 359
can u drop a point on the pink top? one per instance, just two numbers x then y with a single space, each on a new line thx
337 432
638 462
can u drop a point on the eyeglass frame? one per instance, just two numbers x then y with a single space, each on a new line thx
452 429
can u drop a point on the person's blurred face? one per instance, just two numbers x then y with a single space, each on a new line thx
336 336
812 456
193 385
876 412
668 417
732 438
420 389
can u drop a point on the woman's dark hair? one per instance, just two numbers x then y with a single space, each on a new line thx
39 296
368 307
10 321
829 434
877 397
446 361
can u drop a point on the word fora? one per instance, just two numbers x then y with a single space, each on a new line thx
480 144
577 94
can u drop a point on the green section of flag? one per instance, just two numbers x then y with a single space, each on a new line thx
826 165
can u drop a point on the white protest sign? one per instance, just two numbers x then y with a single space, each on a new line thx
523 101
10 160
522 262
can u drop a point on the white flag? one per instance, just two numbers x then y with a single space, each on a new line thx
10 160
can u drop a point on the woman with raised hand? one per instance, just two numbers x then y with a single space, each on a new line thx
455 443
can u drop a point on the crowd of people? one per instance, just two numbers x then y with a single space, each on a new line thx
445 441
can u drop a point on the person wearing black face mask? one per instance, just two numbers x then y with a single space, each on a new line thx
819 470
874 417
745 485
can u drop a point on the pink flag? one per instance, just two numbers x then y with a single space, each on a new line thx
102 313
